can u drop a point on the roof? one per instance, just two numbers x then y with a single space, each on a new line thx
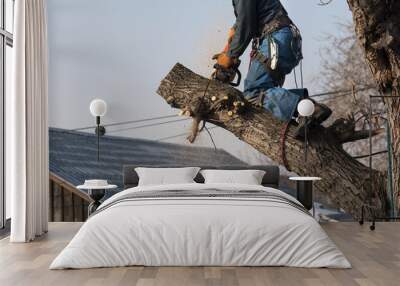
73 155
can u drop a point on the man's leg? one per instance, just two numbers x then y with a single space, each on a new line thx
289 57
259 81
280 102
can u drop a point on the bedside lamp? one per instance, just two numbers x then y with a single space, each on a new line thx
98 109
306 109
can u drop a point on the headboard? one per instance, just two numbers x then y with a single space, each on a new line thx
271 178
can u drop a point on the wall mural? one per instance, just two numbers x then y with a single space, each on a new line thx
114 78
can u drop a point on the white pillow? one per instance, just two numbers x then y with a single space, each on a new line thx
166 176
247 177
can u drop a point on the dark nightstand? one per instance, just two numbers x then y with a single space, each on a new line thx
96 195
305 191
96 190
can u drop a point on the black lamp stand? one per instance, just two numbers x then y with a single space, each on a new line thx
306 140
98 137
100 131
96 196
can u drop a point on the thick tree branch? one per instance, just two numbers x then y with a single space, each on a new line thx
345 180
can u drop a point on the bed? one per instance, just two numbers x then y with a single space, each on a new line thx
198 224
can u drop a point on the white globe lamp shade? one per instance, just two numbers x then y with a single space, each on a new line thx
98 107
306 108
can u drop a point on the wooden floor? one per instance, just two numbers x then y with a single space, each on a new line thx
375 257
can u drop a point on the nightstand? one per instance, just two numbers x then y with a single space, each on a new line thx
96 190
96 196
305 191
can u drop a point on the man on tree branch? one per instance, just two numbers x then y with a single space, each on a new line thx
277 50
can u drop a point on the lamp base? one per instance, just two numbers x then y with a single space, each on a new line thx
100 130
305 193
96 195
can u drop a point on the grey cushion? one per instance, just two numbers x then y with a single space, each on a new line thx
271 178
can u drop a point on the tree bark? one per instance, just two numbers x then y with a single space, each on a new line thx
345 180
377 25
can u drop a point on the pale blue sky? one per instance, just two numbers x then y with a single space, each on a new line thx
119 50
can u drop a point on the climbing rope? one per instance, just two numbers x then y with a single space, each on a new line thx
295 78
301 74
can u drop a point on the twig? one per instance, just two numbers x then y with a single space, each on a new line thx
373 154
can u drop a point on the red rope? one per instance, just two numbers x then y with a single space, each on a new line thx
283 145
285 128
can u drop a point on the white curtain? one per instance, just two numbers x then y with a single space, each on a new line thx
27 124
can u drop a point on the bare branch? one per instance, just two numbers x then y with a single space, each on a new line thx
345 131
359 135
373 154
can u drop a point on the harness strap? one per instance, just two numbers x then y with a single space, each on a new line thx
280 20
258 100
276 75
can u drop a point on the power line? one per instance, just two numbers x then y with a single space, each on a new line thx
301 74
338 92
211 137
344 91
337 96
341 92
295 77
172 137
334 97
180 135
147 125
127 122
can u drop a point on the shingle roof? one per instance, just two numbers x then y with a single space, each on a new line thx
73 155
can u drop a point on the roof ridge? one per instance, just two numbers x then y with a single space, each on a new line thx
86 134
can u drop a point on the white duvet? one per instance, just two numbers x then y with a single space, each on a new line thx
200 232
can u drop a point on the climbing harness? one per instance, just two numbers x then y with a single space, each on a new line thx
270 62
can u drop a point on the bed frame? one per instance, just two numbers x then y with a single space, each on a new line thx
271 178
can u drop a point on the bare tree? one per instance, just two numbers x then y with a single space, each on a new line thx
377 26
344 67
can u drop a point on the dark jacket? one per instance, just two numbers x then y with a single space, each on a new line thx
251 18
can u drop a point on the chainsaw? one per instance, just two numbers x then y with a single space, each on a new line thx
227 75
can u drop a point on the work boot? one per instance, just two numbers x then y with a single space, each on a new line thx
321 113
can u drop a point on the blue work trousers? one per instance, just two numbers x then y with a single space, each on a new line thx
282 103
